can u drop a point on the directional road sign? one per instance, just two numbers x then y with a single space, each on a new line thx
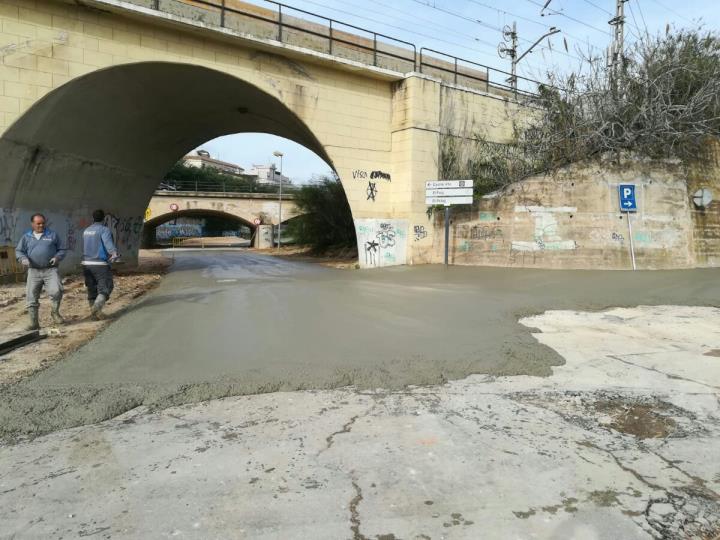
628 202
447 201
437 184
448 192
451 192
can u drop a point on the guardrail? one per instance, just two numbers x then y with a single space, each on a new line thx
225 187
225 195
477 73
331 31
345 40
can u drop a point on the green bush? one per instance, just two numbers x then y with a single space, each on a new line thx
327 220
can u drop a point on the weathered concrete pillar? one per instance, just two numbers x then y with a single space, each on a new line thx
264 237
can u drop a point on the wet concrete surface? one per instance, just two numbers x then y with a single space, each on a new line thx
235 323
567 456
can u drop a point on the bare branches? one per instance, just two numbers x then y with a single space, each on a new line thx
663 103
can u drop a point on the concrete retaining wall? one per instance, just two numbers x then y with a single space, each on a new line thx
571 219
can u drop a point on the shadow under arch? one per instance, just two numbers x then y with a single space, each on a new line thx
105 140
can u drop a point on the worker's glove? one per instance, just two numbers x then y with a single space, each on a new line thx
53 261
25 261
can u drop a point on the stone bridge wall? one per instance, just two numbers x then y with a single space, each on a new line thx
247 208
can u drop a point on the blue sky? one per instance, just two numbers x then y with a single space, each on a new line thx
471 29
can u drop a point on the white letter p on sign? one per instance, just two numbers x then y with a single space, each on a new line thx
626 193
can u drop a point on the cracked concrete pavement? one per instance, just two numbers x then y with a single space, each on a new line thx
622 441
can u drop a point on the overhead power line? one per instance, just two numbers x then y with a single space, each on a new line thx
635 23
598 7
458 15
482 23
642 15
433 25
671 10
527 19
555 12
388 25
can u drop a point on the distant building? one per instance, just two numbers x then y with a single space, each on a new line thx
202 159
268 175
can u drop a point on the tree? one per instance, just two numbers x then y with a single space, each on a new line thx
327 220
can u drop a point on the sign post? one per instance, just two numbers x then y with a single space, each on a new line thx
628 204
448 193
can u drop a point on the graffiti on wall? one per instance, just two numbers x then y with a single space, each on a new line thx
381 242
358 174
71 234
168 231
371 191
125 231
481 237
8 225
420 232
546 236
69 225
482 232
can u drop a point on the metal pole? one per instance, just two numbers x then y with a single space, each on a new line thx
618 24
514 58
447 233
632 245
280 205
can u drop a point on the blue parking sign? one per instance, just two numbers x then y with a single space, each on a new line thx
627 197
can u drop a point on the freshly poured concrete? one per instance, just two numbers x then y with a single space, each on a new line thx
237 323
517 457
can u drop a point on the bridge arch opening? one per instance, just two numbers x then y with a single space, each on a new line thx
161 230
106 139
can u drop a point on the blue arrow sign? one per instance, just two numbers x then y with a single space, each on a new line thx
627 198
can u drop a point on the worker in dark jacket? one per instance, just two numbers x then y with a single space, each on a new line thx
98 252
40 250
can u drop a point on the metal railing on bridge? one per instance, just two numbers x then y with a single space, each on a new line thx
306 29
225 187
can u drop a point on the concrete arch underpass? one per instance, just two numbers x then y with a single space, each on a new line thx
93 118
150 226
105 140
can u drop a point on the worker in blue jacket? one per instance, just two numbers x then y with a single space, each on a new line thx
98 252
40 250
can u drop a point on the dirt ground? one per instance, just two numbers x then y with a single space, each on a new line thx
79 328
343 258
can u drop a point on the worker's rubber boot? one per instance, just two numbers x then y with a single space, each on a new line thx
55 313
34 323
96 309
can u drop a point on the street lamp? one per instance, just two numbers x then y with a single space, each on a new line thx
276 153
